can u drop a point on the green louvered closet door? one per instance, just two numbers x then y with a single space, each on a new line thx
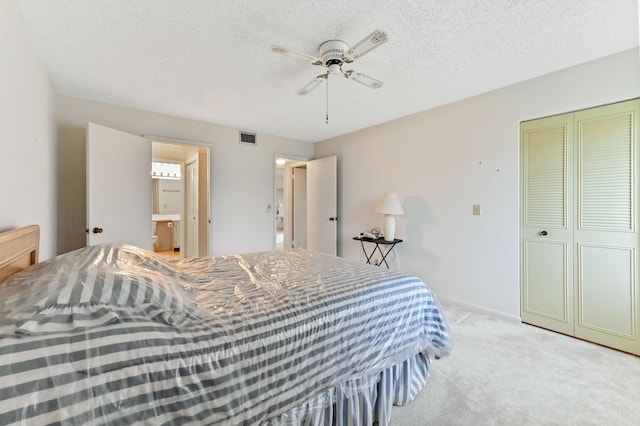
547 228
579 185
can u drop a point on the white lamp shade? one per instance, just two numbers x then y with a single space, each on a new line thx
389 204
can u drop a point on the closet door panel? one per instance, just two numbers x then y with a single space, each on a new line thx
546 225
605 165
606 236
545 287
606 290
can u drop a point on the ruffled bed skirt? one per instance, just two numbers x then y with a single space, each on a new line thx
362 401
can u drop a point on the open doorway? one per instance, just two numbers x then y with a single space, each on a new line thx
290 201
180 194
306 203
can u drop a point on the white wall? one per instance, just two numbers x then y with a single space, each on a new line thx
442 161
242 181
170 196
27 135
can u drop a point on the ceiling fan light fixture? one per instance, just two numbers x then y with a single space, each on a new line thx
334 69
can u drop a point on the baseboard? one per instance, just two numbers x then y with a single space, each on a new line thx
480 309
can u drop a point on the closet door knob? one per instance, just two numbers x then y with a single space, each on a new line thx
97 230
543 233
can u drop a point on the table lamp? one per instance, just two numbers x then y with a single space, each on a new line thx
389 206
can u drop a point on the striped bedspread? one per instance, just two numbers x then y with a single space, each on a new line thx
113 334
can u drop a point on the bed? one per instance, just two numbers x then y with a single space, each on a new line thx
113 334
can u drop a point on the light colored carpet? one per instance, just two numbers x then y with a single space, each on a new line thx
506 373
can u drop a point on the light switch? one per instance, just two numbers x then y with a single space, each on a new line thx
476 210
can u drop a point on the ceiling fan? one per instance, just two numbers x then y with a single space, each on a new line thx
335 53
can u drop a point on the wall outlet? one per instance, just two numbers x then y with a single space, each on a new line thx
476 210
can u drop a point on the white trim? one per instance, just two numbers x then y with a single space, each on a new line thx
480 309
155 138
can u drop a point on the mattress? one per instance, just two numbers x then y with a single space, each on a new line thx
113 334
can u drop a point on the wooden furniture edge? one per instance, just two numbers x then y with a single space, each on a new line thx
18 250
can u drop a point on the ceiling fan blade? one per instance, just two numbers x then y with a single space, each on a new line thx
297 55
312 84
363 79
367 44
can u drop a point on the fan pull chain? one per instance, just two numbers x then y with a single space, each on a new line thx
327 121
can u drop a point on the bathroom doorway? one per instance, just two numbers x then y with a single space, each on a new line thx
180 194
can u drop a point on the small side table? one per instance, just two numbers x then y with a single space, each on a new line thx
379 242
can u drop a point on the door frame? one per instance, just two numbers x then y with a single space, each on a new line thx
204 206
289 157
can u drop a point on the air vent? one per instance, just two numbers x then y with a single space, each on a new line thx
248 138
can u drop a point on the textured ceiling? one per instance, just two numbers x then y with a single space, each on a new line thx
211 60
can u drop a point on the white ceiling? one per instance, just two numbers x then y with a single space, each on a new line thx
211 60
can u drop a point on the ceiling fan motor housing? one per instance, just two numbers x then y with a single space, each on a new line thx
332 52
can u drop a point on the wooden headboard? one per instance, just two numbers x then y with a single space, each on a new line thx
18 250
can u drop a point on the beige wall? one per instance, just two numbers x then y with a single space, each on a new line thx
242 176
27 135
442 161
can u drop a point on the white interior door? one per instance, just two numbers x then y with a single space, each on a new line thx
299 207
287 222
118 187
191 219
322 205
